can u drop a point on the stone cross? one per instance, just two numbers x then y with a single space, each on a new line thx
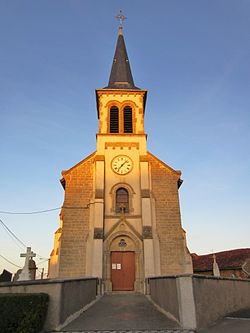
25 274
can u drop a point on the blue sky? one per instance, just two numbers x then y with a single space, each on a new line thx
192 56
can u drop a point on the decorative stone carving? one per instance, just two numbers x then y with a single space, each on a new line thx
98 233
121 145
122 243
147 232
99 194
145 193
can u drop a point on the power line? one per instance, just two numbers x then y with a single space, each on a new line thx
13 239
10 232
43 211
9 261
16 238
30 213
42 262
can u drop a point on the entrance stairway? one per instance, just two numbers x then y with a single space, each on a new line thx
123 313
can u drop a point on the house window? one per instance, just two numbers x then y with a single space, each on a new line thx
114 120
122 201
127 120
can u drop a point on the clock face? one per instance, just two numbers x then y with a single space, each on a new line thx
122 165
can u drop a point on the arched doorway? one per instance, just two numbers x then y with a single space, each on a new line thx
123 265
123 260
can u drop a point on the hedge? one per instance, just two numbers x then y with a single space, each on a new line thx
23 313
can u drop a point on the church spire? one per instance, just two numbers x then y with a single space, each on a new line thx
121 75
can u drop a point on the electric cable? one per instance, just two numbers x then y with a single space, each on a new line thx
16 238
10 262
42 262
30 213
11 233
42 211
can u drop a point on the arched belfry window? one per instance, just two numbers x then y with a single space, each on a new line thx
114 120
122 201
127 120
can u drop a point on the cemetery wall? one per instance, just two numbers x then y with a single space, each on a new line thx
67 297
198 301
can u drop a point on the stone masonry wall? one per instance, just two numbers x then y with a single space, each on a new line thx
75 230
174 256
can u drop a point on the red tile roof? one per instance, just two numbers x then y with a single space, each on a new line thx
231 259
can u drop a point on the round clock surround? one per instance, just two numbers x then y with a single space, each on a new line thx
122 164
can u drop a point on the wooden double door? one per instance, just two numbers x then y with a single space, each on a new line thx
122 270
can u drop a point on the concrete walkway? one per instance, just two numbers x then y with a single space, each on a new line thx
238 322
122 312
228 325
134 313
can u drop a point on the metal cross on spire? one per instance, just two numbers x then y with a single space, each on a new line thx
121 18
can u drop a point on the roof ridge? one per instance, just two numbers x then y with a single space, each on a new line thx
225 251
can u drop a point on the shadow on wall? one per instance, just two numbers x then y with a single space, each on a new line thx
198 301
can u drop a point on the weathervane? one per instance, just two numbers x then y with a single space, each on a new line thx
121 18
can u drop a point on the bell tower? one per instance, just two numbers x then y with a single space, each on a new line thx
121 105
121 150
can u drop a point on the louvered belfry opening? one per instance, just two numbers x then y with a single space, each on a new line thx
114 120
122 203
127 120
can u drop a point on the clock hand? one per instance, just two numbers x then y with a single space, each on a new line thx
122 165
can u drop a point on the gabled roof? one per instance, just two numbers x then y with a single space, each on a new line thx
121 75
176 172
65 172
231 259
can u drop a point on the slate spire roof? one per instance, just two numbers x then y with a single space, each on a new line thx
121 75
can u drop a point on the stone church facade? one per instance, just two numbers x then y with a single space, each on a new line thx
120 219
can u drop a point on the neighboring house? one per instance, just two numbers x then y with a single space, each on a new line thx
232 263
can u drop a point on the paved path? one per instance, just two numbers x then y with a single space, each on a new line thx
228 325
134 313
238 322
123 313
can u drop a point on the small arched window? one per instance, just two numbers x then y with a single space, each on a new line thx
114 120
122 201
127 120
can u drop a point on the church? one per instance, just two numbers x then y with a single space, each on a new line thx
120 220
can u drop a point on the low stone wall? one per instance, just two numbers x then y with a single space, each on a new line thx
159 288
198 301
66 296
217 297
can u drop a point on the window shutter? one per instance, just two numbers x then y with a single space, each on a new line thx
127 120
114 120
